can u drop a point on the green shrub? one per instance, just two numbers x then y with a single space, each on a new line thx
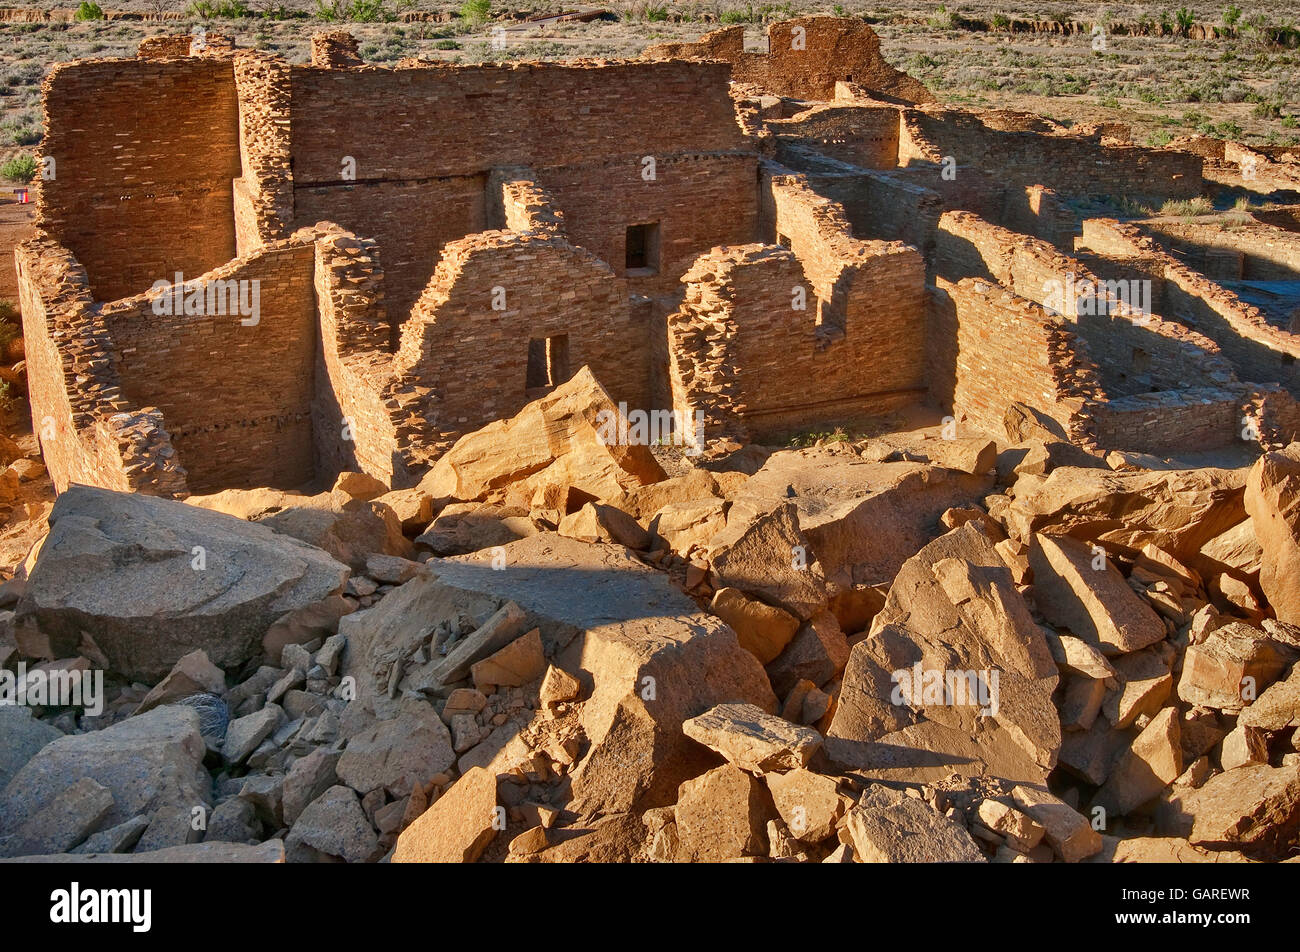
475 11
89 10
1230 16
446 45
1186 20
367 11
21 168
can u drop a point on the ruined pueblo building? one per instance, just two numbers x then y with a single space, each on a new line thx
761 241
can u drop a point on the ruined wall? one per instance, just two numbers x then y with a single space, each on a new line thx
861 135
1171 422
1258 352
1070 165
1253 252
698 200
806 57
142 184
355 423
769 340
264 201
415 197
236 396
474 359
528 114
990 348
1136 349
412 223
89 430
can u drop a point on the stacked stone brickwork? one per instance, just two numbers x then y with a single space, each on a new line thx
806 57
334 50
264 206
1070 164
467 341
90 431
159 199
998 349
1258 351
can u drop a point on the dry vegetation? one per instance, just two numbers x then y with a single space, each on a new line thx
1165 86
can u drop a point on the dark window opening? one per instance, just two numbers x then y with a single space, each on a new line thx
848 78
548 362
642 249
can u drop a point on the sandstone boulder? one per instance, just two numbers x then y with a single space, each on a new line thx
1253 809
888 826
561 438
151 580
1096 604
752 739
1273 501
1177 510
459 825
722 815
955 676
150 762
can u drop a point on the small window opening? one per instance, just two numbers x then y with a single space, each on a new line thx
548 362
642 249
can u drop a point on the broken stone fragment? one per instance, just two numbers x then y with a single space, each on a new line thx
146 762
752 739
396 754
1068 831
1273 501
554 439
192 674
809 804
1254 809
458 827
1235 661
333 824
763 630
887 826
721 815
517 663
1153 762
1081 590
63 822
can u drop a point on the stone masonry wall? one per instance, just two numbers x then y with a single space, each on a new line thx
473 360
992 348
1073 166
236 397
1259 352
806 57
145 152
264 208
1137 352
90 431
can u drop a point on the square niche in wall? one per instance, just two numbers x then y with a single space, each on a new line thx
642 250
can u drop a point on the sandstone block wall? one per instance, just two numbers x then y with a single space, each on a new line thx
991 348
256 432
474 359
142 184
1258 352
859 134
1071 165
90 431
744 353
805 58
1172 422
1137 352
